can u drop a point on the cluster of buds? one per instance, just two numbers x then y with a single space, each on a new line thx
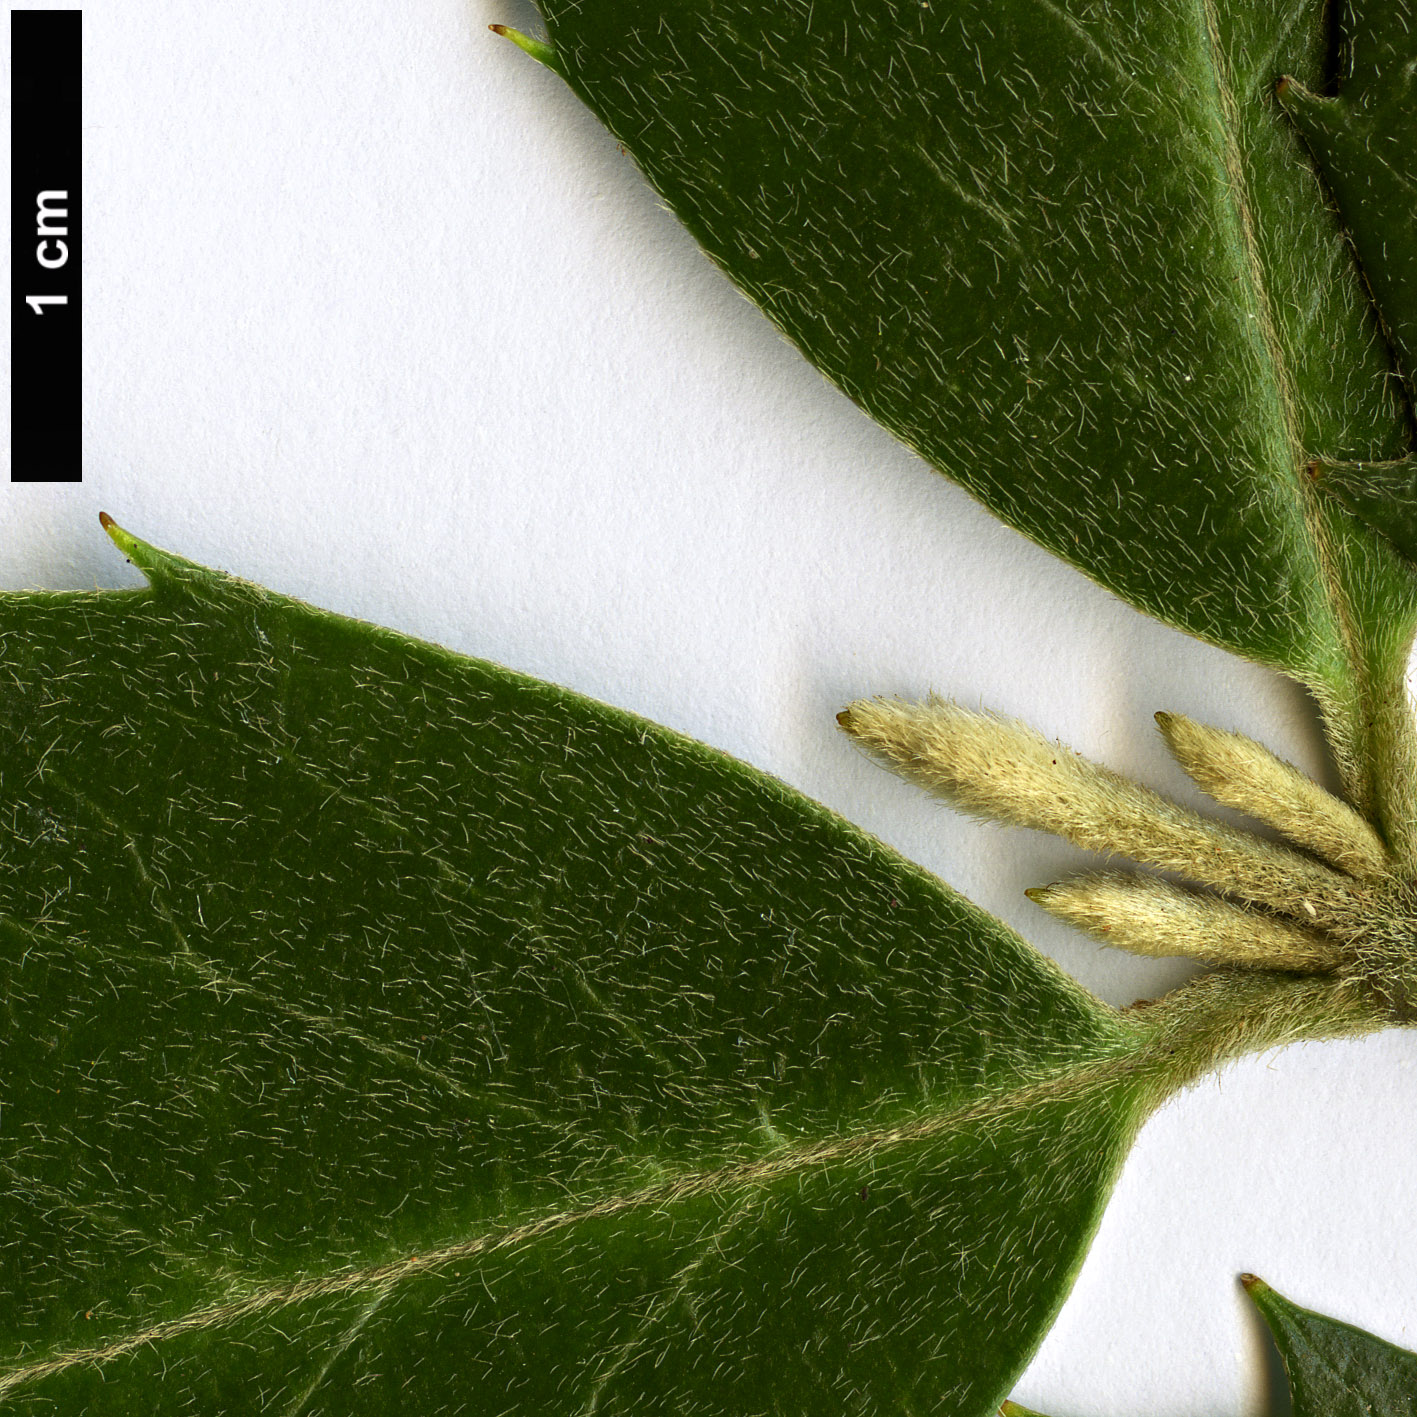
1329 900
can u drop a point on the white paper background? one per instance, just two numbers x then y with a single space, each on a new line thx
377 315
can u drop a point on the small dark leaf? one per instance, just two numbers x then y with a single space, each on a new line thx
1383 494
1336 1370
1365 144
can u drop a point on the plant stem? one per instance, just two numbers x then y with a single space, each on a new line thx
1230 1012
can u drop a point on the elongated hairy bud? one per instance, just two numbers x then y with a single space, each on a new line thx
1243 774
1001 769
1150 916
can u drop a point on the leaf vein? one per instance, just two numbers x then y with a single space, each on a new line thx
751 1174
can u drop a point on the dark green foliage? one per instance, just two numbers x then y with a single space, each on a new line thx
1383 494
385 1032
323 949
1336 1370
1074 255
1364 140
1070 254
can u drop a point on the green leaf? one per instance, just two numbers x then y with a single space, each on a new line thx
386 1032
1334 1369
1074 256
1365 143
1383 494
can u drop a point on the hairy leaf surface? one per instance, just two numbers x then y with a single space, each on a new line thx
386 1032
1365 142
1383 494
1075 256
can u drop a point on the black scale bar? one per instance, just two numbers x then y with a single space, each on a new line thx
46 307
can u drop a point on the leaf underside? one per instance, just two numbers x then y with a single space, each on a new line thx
386 1032
1074 255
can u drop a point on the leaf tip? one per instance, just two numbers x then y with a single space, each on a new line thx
1290 92
124 541
1301 105
160 567
1253 1283
538 49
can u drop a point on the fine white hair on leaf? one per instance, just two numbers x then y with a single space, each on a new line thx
997 768
1245 775
1150 916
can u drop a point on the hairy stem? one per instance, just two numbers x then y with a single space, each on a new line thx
1231 1012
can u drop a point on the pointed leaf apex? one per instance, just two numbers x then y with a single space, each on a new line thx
128 544
1293 95
538 49
160 567
1335 1369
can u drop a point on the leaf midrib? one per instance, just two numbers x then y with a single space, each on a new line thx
1058 1085
1245 242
